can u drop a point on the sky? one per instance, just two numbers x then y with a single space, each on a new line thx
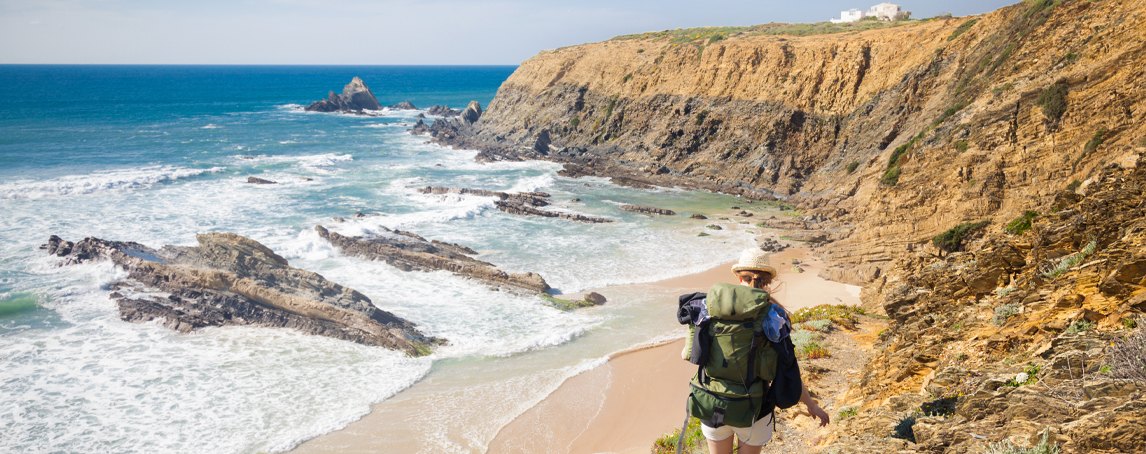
378 32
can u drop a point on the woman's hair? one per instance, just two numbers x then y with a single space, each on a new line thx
763 281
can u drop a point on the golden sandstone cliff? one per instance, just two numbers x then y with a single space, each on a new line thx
786 115
885 139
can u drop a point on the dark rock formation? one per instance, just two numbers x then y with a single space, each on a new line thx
771 245
233 280
595 298
472 113
355 98
404 105
410 252
647 210
420 128
443 111
256 180
462 126
421 115
698 216
520 203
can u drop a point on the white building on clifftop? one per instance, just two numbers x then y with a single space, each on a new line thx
883 11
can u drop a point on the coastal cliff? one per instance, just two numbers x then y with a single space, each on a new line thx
892 135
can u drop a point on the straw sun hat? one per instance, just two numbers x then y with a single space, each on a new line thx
754 260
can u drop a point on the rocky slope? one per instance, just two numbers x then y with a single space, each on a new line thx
817 119
233 280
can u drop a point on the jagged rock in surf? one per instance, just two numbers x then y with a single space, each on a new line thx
257 180
516 203
648 210
443 111
410 252
404 105
420 128
698 216
232 280
355 98
472 113
421 115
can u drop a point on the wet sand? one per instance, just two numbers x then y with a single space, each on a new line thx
624 405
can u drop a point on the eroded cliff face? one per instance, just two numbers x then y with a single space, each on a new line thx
785 116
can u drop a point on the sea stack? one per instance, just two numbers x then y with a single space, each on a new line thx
355 98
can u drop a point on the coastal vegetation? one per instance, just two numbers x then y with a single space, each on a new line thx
714 34
952 239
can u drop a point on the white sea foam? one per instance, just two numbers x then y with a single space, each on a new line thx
211 126
103 181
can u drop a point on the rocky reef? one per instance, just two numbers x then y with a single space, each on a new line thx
355 98
442 111
648 210
410 252
232 280
519 203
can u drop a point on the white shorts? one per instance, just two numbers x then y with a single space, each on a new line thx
756 435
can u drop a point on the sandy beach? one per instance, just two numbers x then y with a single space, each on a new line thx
620 406
640 394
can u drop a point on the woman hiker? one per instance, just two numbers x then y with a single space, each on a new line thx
728 308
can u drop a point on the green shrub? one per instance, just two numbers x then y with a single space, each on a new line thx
1073 186
1080 326
852 166
609 108
952 239
962 29
961 146
802 338
1092 144
715 38
575 121
814 351
1022 223
700 116
640 51
694 441
822 325
1007 447
1053 101
627 77
846 413
835 312
891 176
1004 312
1129 323
904 430
1055 268
1126 356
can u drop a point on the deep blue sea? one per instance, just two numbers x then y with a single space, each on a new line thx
156 154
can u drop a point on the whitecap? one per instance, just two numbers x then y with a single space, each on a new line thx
102 181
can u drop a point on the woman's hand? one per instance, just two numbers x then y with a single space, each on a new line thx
814 408
819 413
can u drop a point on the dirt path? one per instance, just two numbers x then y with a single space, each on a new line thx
829 380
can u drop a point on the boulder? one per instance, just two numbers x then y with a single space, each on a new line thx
404 105
256 180
698 216
232 280
853 274
595 298
472 113
443 111
355 98
648 210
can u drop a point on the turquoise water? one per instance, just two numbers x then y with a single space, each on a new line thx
157 154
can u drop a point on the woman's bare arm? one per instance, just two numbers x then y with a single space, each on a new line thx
814 408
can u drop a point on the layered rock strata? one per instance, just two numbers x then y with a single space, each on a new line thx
991 116
516 203
355 98
410 252
232 280
1011 338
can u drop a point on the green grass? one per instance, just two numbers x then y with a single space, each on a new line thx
1091 145
694 441
961 146
962 29
715 34
1053 101
852 166
952 239
1073 186
627 77
846 413
1022 223
1070 261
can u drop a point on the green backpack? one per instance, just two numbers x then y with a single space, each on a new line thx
734 358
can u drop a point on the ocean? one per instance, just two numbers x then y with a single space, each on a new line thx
156 154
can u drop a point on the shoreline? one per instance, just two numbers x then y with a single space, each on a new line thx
644 387
617 420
